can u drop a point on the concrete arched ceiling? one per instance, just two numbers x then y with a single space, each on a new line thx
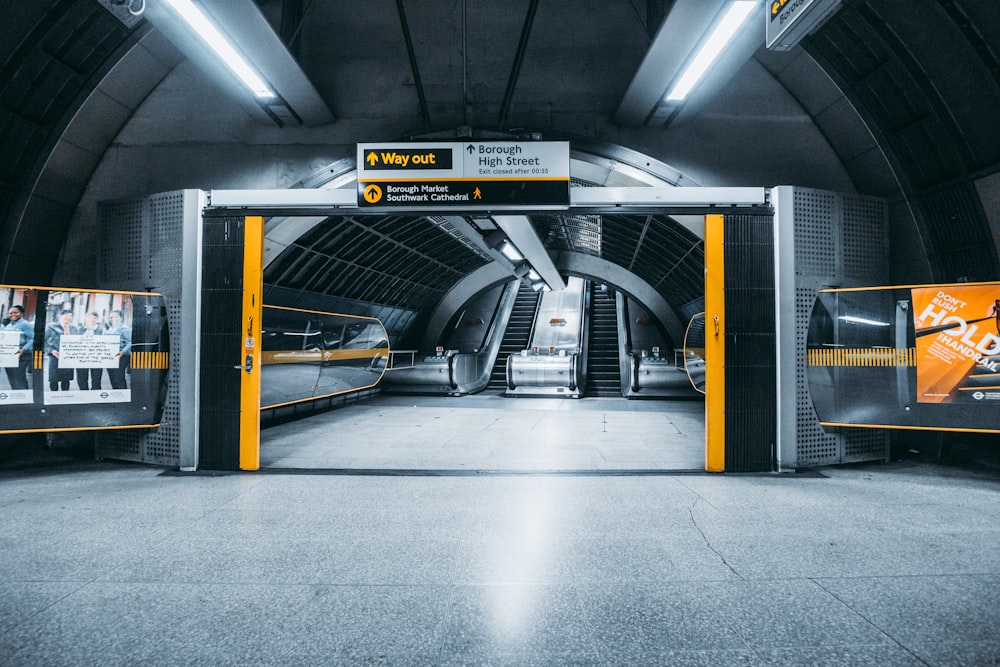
887 98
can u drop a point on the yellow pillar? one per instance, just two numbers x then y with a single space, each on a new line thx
253 287
715 345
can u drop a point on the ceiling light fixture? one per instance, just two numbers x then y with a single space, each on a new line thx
510 252
214 38
711 48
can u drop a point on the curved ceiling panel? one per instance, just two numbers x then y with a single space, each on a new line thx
652 246
925 76
47 72
405 262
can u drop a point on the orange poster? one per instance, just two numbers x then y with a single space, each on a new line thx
958 342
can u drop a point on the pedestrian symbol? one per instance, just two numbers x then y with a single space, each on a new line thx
373 194
477 194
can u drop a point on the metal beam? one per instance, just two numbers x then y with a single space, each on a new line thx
515 68
279 199
412 55
677 37
579 197
694 197
520 232
252 34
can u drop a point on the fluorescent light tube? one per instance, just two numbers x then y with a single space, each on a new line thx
510 252
710 49
862 320
211 35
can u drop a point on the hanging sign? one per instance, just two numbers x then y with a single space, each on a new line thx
472 174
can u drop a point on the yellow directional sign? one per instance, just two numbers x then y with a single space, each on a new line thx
373 194
408 158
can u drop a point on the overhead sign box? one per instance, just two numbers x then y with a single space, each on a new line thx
473 174
788 21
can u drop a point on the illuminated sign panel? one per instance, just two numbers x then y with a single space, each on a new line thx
788 21
468 175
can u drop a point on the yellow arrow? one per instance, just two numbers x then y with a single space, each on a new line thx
372 158
373 193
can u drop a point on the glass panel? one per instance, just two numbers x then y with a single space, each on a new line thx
926 357
308 354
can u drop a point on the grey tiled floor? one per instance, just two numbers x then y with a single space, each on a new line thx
490 432
882 564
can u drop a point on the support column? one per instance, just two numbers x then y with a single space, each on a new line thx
715 345
229 425
740 344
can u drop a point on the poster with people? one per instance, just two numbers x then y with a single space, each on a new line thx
88 341
17 334
957 329
76 358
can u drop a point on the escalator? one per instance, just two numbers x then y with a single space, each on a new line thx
516 336
603 370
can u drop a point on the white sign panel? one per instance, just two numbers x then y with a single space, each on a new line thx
516 159
10 343
79 351
788 21
475 160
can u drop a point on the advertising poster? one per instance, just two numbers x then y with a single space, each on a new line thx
81 359
88 340
17 333
957 330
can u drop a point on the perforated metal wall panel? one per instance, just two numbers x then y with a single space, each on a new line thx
813 444
839 240
142 248
815 247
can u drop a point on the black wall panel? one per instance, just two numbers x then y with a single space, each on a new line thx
751 358
221 343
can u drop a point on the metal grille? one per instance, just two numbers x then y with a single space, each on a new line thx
751 398
445 225
865 444
576 233
166 232
142 247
